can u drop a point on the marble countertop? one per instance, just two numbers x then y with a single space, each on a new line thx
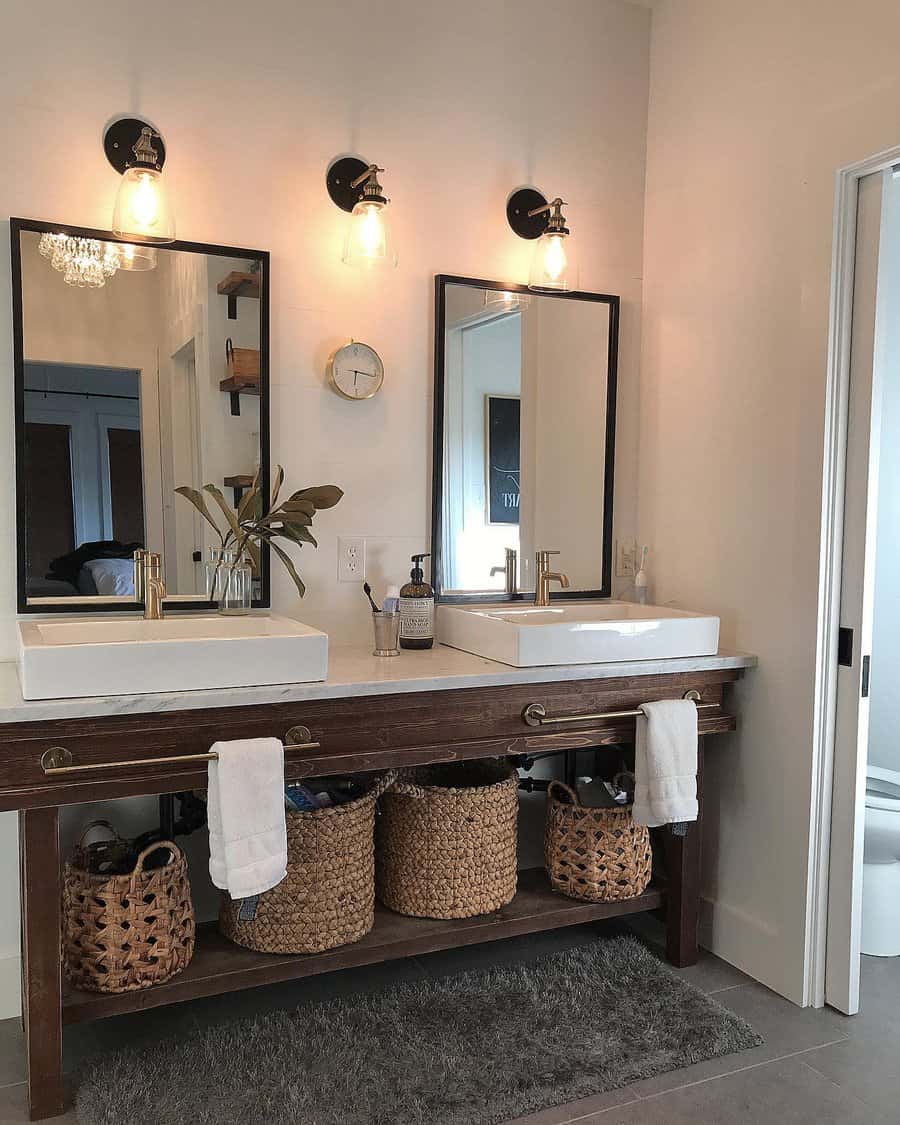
352 671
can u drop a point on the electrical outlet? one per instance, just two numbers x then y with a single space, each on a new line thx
351 558
626 558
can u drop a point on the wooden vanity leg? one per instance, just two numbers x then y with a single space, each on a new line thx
683 879
41 970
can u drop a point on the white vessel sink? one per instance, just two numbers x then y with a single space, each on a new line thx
131 656
576 632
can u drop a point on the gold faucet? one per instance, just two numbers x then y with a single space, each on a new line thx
543 576
154 587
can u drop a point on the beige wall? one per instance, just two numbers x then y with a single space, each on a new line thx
464 106
753 108
250 170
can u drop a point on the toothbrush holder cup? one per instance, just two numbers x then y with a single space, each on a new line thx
387 633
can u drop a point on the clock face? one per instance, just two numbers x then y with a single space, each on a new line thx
356 371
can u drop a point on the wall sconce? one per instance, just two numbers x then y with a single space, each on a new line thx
353 185
143 210
531 216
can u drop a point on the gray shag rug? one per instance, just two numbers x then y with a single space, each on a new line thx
479 1048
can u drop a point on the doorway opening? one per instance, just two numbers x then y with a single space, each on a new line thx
858 701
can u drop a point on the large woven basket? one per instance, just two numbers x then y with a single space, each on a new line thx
327 897
447 840
126 932
597 855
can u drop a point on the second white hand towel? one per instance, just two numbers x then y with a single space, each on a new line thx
665 763
245 808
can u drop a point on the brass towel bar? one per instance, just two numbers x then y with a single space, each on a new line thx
58 759
536 716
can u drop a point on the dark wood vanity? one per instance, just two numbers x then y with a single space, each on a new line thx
436 706
157 752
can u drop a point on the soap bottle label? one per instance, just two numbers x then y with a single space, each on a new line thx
417 618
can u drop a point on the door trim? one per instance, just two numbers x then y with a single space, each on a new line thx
837 394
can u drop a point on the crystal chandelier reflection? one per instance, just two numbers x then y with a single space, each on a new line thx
84 262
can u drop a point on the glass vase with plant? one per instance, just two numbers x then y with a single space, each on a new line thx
247 526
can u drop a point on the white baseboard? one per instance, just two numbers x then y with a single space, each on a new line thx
10 987
749 943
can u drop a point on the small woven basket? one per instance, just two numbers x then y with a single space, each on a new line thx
447 840
122 933
242 363
327 897
597 855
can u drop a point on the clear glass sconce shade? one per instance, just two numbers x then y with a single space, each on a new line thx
368 241
504 300
143 211
136 257
553 263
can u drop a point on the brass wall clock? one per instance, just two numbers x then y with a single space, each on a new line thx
355 371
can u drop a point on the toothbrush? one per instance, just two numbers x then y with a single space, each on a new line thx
367 590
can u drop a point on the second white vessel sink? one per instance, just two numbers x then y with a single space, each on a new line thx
131 656
526 636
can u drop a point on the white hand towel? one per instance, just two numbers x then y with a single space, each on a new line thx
245 808
665 763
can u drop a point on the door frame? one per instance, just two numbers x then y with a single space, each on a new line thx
826 750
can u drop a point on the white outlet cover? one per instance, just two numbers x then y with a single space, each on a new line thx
351 558
626 557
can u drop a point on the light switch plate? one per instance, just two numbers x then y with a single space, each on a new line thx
351 558
626 558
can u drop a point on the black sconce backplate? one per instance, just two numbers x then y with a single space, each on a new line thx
120 138
341 174
517 207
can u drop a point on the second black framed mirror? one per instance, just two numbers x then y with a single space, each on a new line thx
524 438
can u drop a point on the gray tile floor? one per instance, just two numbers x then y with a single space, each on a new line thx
815 1067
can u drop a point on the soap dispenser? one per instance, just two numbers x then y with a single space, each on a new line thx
417 609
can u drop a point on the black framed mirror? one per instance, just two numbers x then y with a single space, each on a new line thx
137 370
524 438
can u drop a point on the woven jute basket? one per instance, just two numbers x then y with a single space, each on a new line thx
122 933
446 840
597 855
327 897
242 363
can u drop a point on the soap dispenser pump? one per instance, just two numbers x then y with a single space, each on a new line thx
417 608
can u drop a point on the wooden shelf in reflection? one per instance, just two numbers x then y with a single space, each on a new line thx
238 284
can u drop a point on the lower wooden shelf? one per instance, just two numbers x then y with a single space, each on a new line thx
220 966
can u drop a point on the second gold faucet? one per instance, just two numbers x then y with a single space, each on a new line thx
543 576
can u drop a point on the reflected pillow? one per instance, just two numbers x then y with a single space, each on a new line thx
112 576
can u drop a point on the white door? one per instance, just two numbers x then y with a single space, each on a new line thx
867 362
